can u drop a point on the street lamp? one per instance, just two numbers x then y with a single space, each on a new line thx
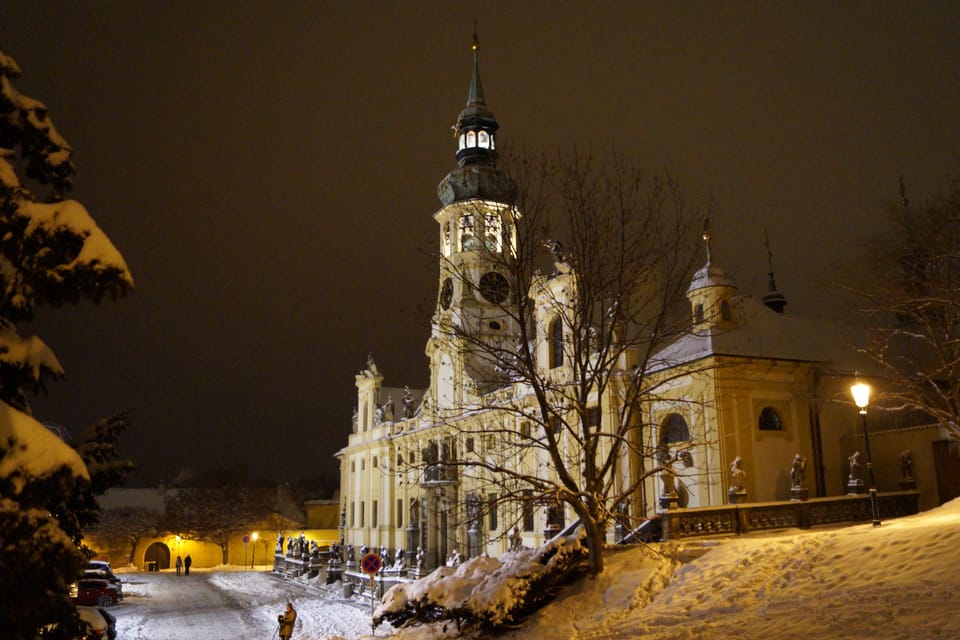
861 396
253 557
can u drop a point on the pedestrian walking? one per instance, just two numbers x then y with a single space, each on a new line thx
179 564
285 621
186 565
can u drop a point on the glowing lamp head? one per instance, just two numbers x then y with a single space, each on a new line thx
254 536
861 395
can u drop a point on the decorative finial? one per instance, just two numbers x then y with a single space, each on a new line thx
706 236
773 298
476 40
766 243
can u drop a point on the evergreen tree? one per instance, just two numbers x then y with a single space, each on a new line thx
51 253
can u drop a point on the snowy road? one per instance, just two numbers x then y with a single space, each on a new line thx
238 605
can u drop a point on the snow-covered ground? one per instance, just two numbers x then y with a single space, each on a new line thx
898 581
225 603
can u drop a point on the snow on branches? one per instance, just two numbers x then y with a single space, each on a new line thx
493 592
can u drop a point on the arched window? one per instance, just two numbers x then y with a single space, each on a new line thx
493 232
468 241
471 138
698 314
725 311
556 343
675 429
770 420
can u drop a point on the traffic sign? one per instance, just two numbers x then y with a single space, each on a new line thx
370 564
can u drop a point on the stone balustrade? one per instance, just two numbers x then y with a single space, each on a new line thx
735 519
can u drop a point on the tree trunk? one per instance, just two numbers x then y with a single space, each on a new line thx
133 549
596 539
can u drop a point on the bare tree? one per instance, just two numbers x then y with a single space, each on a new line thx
911 296
607 251
215 514
120 530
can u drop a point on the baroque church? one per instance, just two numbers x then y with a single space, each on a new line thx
752 389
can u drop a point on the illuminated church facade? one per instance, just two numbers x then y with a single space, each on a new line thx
766 387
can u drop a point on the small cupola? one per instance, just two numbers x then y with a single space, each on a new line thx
476 127
476 176
711 294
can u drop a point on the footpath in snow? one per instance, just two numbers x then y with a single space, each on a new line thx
900 581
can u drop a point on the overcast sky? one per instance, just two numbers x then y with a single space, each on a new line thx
269 172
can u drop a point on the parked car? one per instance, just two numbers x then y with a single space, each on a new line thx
95 591
102 570
111 623
100 623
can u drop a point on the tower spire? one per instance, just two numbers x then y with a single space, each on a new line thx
706 236
476 175
773 298
476 126
475 96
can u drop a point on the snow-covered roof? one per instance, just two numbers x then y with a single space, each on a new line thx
760 332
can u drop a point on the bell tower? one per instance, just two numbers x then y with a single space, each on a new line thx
474 316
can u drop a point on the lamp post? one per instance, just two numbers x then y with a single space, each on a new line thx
253 557
861 396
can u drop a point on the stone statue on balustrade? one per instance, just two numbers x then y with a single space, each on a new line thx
351 554
855 479
516 540
668 497
453 560
907 480
798 472
420 559
279 546
737 492
408 407
383 555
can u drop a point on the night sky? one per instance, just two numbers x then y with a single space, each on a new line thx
269 172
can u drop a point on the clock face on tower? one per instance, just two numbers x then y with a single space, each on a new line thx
446 293
494 287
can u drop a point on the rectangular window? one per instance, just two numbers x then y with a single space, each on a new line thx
399 512
353 510
527 511
491 441
525 429
556 424
593 416
373 514
469 445
492 509
374 462
363 514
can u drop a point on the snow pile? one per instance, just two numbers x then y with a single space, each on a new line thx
483 588
898 581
